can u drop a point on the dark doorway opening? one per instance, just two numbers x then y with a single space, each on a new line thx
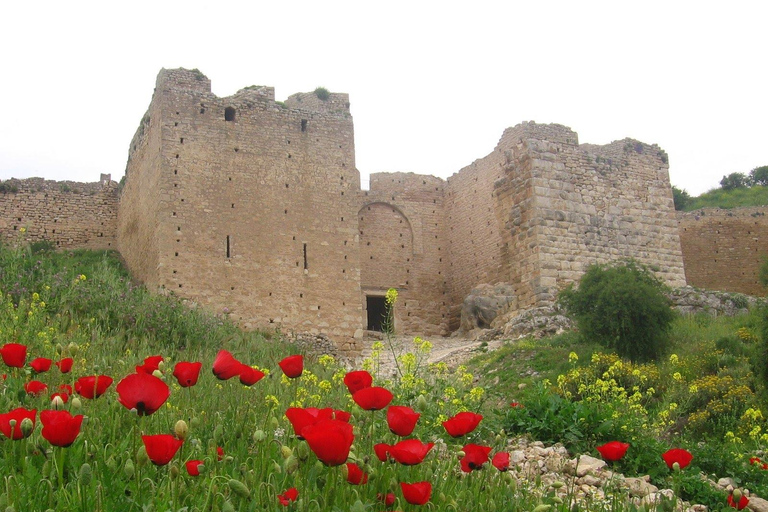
377 312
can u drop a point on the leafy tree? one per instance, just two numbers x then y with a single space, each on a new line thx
759 176
622 306
682 198
734 180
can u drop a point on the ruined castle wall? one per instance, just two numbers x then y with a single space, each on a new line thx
257 207
597 204
723 249
67 214
472 230
139 211
402 246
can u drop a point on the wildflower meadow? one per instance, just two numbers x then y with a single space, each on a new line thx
113 399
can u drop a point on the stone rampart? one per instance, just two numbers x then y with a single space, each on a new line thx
66 214
723 249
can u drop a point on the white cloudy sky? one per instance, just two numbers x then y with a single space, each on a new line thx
432 84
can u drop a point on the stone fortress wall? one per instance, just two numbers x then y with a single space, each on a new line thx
65 214
723 249
253 208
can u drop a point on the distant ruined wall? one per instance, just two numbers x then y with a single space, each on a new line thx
402 245
67 214
723 249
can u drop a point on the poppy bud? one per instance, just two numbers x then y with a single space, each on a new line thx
273 423
277 468
558 500
239 488
736 494
218 432
259 436
76 404
85 474
441 497
227 507
291 464
128 469
357 507
498 438
302 451
286 452
57 403
508 478
194 422
158 374
12 423
542 508
27 426
72 348
142 457
174 472
461 454
161 365
421 403
181 429
558 484
111 464
676 466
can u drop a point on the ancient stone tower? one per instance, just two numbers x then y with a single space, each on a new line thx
253 208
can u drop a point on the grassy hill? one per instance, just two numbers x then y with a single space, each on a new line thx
734 198
707 396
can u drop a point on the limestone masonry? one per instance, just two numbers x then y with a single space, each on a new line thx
253 208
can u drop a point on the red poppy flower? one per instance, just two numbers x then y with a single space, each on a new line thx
64 397
474 457
410 452
65 388
187 373
41 364
143 392
288 496
193 467
14 354
388 498
462 424
516 405
330 440
382 451
65 365
355 475
59 427
342 415
742 503
219 453
35 387
401 420
677 455
18 415
249 375
292 366
151 364
161 447
92 387
225 366
301 418
501 461
613 450
357 380
755 460
418 493
372 399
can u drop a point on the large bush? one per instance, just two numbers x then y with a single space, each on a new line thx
623 307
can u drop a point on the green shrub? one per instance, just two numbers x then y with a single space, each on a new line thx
322 93
623 307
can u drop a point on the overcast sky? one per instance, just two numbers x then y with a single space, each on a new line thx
432 85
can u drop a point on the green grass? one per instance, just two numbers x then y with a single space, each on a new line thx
735 198
84 305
